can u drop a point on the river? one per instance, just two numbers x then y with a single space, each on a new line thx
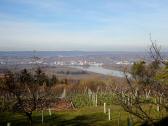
101 70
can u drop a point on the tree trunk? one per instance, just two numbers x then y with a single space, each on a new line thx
29 117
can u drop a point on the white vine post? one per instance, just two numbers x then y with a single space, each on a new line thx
8 124
104 107
42 117
122 93
90 94
155 101
157 104
149 93
119 117
93 99
158 108
160 100
109 115
146 95
136 92
128 101
96 100
49 110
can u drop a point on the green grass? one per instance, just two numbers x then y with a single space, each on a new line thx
87 116
83 100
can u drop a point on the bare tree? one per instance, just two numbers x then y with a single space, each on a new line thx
28 90
148 87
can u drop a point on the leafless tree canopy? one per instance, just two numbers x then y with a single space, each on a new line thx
148 88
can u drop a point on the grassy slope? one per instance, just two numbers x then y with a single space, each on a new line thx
88 116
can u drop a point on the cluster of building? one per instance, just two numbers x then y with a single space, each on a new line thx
64 62
124 63
77 63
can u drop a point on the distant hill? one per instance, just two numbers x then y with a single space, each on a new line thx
62 53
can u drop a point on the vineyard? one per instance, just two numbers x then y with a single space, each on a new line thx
141 98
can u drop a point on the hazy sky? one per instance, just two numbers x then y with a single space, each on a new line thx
102 25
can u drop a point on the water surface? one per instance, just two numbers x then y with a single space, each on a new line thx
101 70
